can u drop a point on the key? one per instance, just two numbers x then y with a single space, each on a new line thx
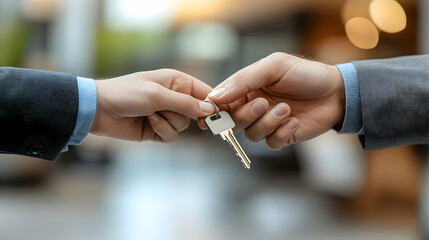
222 123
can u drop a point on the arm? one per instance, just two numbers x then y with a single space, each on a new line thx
393 96
39 109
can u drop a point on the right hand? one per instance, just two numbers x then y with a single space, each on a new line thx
283 99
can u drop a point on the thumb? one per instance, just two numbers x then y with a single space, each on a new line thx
184 104
250 78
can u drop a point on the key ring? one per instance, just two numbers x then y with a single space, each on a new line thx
216 107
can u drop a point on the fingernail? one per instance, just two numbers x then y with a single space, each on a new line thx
206 107
258 108
291 125
217 93
279 110
153 118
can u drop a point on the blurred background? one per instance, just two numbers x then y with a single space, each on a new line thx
196 188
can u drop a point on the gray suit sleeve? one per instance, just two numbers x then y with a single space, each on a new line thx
38 111
395 101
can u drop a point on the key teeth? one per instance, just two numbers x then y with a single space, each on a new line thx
236 153
245 165
242 163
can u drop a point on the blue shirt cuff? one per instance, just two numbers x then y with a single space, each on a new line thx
87 109
352 122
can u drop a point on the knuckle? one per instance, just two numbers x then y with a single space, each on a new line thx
178 75
185 77
153 90
240 117
277 56
280 136
182 82
169 70
276 64
170 75
266 124
176 86
277 140
251 136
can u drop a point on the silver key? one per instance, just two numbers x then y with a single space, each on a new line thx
222 123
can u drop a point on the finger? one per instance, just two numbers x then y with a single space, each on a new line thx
164 130
183 104
148 134
180 82
200 89
283 136
249 113
268 122
177 121
202 123
255 76
222 107
246 113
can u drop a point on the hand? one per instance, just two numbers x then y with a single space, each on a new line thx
283 99
153 105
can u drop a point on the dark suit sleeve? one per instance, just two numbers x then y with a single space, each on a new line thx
38 111
395 101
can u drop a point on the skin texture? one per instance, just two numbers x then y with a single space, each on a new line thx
153 105
295 99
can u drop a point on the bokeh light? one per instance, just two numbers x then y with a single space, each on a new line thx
388 15
140 14
209 41
355 8
362 33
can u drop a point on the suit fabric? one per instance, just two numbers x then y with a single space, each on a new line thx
395 101
38 111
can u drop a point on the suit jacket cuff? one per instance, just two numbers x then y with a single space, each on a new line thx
352 122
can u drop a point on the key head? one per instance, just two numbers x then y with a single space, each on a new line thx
224 122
